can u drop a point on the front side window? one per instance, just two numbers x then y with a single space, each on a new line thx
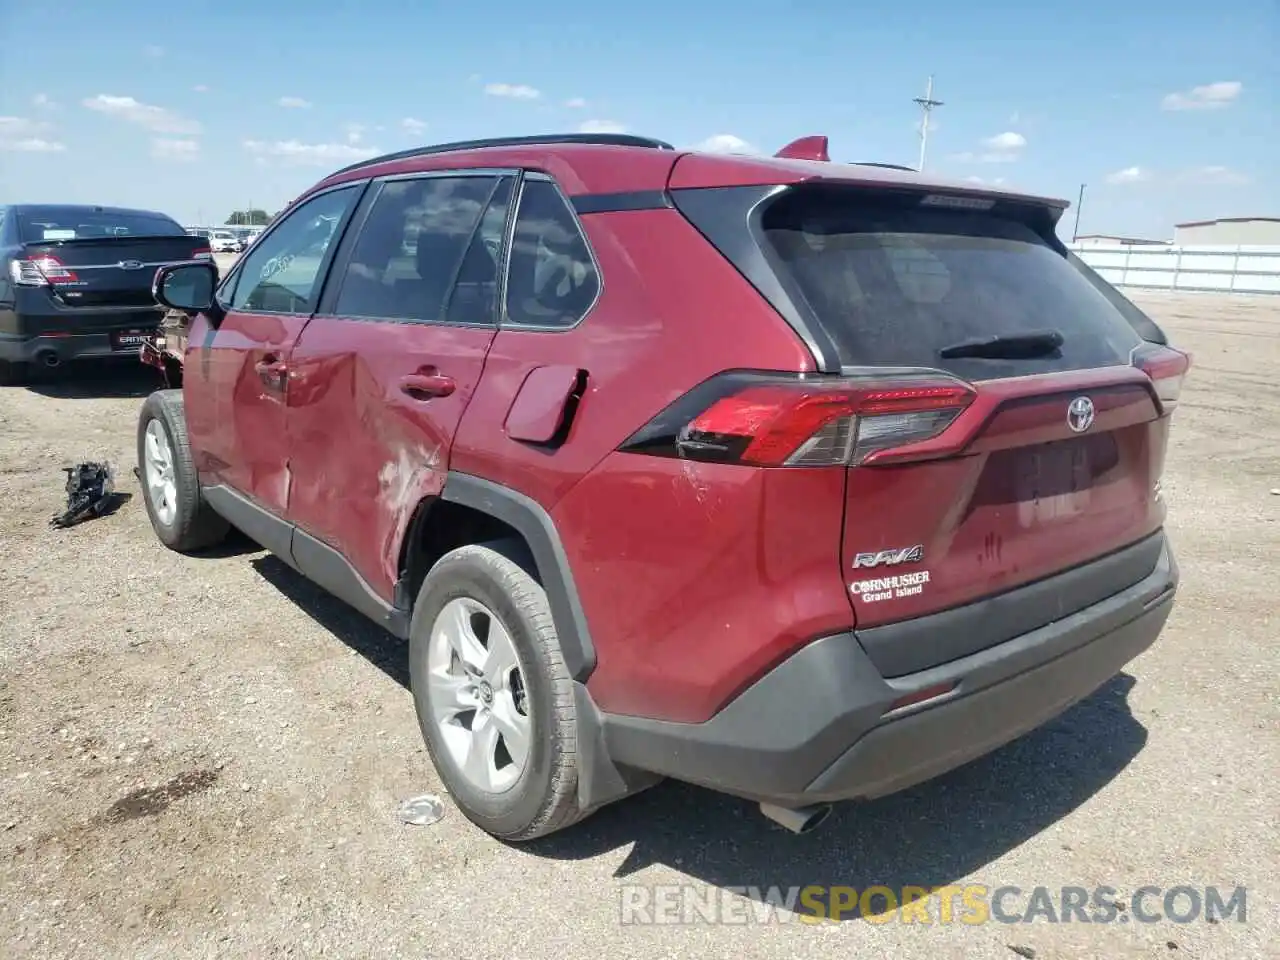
411 248
552 280
283 272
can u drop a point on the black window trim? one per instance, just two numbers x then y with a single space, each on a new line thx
329 299
504 319
227 288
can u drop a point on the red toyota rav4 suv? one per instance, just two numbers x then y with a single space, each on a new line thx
799 480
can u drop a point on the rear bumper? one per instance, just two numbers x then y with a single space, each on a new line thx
39 329
817 728
60 349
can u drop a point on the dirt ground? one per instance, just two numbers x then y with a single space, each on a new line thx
203 757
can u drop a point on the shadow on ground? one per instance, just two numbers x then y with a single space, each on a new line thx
117 378
928 836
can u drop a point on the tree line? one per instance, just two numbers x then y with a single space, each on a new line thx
249 218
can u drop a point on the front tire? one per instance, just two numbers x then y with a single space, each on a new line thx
170 484
494 700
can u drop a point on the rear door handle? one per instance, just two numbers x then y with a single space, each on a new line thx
425 386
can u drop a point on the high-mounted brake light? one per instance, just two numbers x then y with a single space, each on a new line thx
777 420
954 202
1167 369
40 271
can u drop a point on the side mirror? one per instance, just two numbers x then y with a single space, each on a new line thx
185 286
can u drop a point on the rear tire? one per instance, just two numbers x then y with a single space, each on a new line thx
170 484
482 600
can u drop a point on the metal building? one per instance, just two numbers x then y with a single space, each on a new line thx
1229 230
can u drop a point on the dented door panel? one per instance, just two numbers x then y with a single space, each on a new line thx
364 452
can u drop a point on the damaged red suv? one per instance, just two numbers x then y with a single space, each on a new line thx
803 481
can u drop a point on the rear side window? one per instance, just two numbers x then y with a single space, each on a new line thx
37 224
895 284
552 281
411 247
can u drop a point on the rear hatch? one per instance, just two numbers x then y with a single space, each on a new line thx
83 273
1001 421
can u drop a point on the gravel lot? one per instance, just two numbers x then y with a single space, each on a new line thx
203 757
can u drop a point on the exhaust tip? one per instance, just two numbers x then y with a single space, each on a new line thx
798 820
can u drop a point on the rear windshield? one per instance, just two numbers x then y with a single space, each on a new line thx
36 224
896 284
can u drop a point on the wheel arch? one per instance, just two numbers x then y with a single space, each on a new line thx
483 510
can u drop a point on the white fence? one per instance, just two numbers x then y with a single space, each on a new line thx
1234 269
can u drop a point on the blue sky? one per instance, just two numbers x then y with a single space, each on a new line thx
1167 111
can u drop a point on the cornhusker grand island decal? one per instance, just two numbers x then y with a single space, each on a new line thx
875 589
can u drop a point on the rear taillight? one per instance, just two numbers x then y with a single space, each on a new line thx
1166 367
40 271
204 253
780 420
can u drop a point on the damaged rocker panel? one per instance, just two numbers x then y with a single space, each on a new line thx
316 561
328 568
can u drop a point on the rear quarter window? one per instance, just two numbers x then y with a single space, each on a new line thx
893 284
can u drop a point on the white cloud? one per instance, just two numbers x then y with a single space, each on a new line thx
156 119
293 103
20 135
993 182
412 125
201 88
1003 147
602 126
1211 96
182 151
295 153
575 103
1128 175
43 101
355 132
1005 141
725 143
515 91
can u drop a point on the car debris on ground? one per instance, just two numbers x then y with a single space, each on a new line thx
90 492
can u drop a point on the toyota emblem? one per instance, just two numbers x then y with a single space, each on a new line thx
1080 414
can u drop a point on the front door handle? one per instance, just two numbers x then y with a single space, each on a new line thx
425 386
272 372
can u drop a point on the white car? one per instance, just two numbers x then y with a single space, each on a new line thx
221 241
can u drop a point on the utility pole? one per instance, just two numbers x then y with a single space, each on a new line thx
927 103
1075 231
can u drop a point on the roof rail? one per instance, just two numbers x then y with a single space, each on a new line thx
594 139
886 166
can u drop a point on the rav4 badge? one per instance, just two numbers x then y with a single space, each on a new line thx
889 558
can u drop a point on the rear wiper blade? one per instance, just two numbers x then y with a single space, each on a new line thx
1016 346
